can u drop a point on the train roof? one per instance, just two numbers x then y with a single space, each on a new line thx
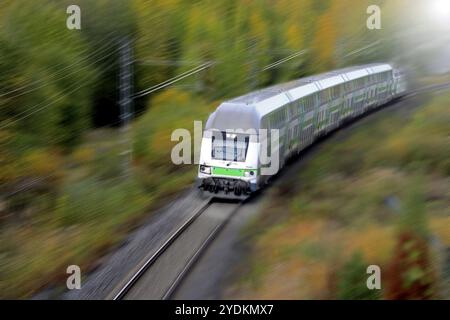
245 111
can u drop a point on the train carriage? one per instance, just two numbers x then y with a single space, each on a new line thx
300 111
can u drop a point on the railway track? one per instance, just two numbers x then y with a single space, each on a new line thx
159 275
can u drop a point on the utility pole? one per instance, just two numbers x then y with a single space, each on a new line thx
126 101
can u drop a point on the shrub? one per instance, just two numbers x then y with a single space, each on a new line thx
352 280
170 110
91 201
84 155
41 162
410 275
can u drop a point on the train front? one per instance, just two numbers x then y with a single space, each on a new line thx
228 165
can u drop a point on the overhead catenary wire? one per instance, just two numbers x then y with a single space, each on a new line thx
104 47
177 78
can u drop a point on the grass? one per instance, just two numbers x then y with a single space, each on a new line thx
351 200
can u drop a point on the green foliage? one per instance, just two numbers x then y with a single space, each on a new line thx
92 200
414 217
423 142
46 78
410 273
58 84
172 109
352 280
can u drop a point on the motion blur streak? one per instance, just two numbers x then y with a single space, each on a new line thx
65 198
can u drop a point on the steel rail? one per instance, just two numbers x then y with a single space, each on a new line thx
154 257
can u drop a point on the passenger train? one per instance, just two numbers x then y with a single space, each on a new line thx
299 111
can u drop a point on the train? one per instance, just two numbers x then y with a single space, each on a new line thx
249 139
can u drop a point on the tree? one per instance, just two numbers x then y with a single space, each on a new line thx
45 74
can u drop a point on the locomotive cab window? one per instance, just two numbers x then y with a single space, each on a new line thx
229 146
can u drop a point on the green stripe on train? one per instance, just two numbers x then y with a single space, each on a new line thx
230 172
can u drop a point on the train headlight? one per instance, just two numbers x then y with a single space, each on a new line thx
249 173
205 169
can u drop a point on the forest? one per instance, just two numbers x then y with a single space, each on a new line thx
65 196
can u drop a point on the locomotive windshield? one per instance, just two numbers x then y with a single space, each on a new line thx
229 146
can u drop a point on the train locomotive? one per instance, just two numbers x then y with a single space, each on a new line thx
299 111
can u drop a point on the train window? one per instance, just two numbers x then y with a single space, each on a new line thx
347 86
229 146
300 108
309 103
351 85
324 96
336 91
